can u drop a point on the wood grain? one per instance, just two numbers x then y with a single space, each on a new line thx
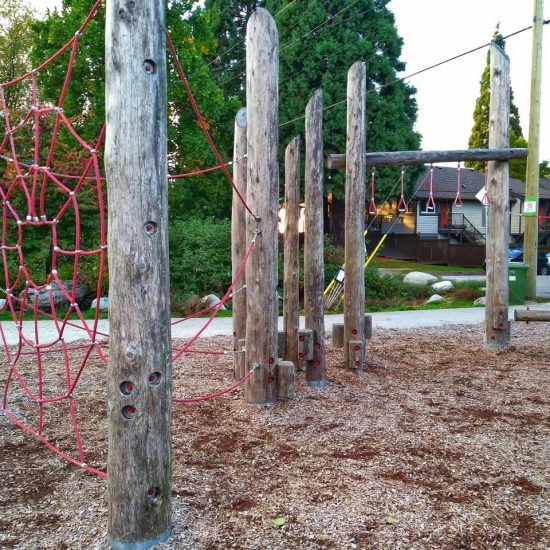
139 455
314 273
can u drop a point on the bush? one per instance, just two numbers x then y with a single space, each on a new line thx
200 258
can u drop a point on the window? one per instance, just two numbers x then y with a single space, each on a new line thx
423 209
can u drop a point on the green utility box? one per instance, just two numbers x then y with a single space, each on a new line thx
517 277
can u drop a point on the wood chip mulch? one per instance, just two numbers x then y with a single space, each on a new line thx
441 443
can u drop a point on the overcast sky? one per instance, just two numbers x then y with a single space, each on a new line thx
434 30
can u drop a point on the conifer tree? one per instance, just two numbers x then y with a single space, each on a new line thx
479 138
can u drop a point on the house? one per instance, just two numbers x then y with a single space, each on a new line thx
446 221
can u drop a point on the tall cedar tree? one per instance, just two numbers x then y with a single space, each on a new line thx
191 31
479 138
319 41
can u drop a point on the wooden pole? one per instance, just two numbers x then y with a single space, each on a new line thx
314 272
139 378
291 299
239 239
531 235
390 158
497 326
354 283
531 315
262 100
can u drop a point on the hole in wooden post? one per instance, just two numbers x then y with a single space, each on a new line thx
317 345
153 493
154 378
149 66
129 412
126 388
150 228
354 331
270 379
270 360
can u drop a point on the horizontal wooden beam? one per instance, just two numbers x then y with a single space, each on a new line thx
422 157
531 315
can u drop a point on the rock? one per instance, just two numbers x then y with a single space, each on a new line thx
443 286
103 303
211 301
83 296
480 301
419 278
434 298
483 289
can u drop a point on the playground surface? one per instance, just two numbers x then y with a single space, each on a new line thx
439 444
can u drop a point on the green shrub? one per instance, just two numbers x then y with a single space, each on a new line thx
200 258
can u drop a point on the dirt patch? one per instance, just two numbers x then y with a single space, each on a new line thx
441 444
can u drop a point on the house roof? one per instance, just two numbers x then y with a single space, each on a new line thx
471 181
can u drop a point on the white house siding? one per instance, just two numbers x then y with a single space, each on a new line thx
426 224
473 211
516 219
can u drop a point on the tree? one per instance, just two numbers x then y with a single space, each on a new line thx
479 137
318 44
15 41
191 32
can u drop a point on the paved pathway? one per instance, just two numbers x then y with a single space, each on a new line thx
223 326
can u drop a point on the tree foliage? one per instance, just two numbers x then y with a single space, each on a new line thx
479 137
191 31
318 43
15 40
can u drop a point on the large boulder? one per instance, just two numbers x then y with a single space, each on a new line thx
211 300
103 303
419 278
434 298
480 301
83 296
443 286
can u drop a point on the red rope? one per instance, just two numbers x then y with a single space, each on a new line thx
214 395
204 129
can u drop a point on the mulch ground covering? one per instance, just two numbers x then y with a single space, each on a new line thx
439 444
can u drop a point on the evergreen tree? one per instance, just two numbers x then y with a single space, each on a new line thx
479 138
319 41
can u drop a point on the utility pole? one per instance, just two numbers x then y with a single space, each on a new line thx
531 208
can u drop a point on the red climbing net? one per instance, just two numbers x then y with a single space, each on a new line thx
43 197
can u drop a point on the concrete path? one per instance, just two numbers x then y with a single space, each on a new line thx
223 326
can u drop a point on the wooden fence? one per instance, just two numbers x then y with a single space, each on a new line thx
436 251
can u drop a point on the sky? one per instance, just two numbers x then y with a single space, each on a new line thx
434 30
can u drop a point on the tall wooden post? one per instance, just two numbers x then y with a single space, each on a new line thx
291 299
239 240
497 326
139 382
262 100
354 283
313 241
531 236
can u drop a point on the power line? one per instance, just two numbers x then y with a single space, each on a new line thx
416 73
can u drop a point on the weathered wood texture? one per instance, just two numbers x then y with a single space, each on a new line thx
354 283
531 235
338 335
305 344
531 315
281 343
286 376
314 267
241 358
291 298
497 326
139 381
389 158
239 240
368 327
262 98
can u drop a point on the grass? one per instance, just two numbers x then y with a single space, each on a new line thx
405 265
445 304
